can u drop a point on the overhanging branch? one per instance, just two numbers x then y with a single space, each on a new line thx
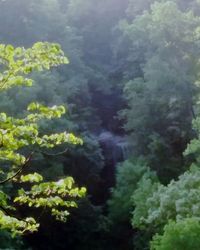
28 159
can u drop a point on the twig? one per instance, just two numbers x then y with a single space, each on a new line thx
19 171
7 213
56 154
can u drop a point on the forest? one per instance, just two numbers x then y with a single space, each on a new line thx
100 124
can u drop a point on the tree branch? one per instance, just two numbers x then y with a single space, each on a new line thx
8 214
56 154
19 171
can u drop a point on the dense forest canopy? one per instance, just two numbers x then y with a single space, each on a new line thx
113 108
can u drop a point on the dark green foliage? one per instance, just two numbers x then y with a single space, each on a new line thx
129 173
120 206
160 101
8 242
86 229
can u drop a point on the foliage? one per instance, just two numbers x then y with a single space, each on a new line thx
120 205
139 58
8 242
137 7
145 189
193 148
18 136
179 235
163 44
128 175
50 195
176 201
85 163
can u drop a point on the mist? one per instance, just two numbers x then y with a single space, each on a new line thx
130 136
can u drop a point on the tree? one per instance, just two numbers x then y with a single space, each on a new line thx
138 7
21 140
176 201
179 235
120 205
129 174
163 45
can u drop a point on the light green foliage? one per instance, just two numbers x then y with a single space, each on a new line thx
178 200
18 136
179 235
19 133
56 196
193 148
19 62
128 175
18 226
31 178
145 189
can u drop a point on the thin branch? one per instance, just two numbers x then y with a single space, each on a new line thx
19 171
8 214
56 154
41 214
4 82
193 113
5 211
